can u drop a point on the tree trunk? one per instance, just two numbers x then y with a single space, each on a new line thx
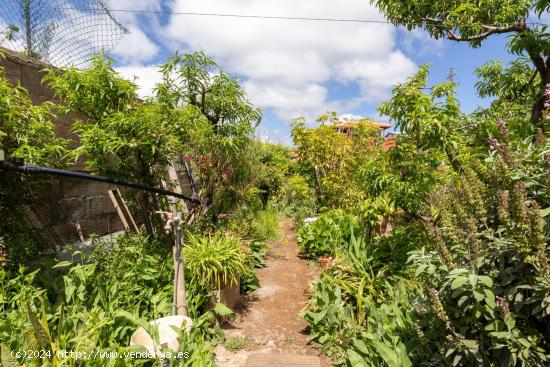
543 68
144 205
454 161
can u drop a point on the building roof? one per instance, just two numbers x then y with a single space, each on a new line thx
351 123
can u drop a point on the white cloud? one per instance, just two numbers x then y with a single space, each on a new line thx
375 77
129 17
135 46
350 116
418 41
287 101
289 65
146 77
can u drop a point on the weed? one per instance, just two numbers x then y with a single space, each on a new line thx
237 343
288 339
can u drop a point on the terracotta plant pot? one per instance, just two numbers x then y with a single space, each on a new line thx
229 295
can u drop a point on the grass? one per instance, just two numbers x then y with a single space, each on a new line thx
288 339
237 343
266 225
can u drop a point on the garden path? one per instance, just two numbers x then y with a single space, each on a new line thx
268 321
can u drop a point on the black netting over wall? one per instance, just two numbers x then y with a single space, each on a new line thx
59 32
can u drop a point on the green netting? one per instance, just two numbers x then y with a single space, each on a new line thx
59 32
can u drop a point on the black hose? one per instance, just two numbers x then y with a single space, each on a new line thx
190 178
34 169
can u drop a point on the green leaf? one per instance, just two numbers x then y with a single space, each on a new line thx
458 271
470 344
387 353
39 331
486 280
420 269
545 212
222 310
318 316
462 300
361 346
355 359
151 329
404 360
62 264
478 295
458 282
489 298
473 279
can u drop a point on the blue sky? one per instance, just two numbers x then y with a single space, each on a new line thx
297 68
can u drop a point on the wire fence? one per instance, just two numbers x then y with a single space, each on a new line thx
59 32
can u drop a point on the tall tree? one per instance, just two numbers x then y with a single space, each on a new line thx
196 80
473 21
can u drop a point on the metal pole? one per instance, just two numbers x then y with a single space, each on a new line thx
180 299
27 16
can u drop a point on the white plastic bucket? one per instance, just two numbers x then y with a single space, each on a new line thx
168 337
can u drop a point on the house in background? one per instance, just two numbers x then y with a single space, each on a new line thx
347 126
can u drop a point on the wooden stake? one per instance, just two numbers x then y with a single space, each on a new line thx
122 210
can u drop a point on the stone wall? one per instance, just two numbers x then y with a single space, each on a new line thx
64 202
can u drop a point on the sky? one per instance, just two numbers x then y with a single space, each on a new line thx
292 68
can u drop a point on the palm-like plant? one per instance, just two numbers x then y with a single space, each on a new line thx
215 260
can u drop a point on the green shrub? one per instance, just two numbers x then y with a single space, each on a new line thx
364 333
265 225
297 198
81 306
214 260
331 229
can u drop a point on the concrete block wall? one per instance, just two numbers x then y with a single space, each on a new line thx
63 202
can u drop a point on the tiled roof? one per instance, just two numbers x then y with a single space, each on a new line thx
351 123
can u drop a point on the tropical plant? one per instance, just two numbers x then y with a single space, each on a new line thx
215 260
219 147
328 231
330 159
101 299
473 22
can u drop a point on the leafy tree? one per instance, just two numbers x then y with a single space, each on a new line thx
512 88
26 131
476 235
220 153
431 119
123 137
196 80
474 21
199 114
331 159
94 92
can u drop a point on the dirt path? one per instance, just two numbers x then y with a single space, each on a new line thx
269 319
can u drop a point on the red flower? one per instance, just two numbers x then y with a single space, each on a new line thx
227 173
188 158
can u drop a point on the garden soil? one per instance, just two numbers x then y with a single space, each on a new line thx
268 319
